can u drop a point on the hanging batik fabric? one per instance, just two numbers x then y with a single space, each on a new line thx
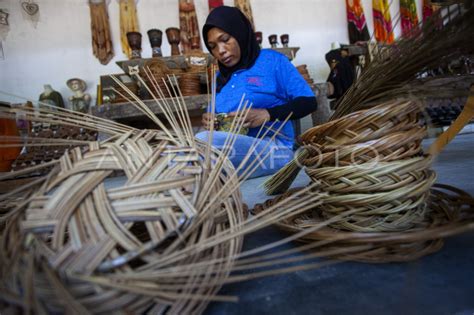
382 21
408 16
214 4
100 28
189 28
128 23
356 23
244 6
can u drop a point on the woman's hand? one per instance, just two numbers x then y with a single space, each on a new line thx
255 117
208 120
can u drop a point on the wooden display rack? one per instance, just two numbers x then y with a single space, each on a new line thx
127 113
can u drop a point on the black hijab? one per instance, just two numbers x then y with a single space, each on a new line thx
342 76
232 21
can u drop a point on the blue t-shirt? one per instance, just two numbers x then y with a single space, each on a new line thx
271 81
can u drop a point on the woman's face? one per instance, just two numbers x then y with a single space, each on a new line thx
223 46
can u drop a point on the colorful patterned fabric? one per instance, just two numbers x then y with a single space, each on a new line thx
356 23
427 9
408 16
382 21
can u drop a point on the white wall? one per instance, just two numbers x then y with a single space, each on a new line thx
59 47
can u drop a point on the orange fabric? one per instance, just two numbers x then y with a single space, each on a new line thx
382 21
409 16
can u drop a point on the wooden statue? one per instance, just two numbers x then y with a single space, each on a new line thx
189 28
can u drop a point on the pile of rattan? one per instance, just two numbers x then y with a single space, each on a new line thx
376 183
125 225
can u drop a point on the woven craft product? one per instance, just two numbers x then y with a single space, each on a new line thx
190 84
370 163
373 179
450 211
105 229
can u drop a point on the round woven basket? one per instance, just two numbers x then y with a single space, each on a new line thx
370 164
104 232
449 211
190 84
373 180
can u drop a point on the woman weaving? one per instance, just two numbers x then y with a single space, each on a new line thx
270 83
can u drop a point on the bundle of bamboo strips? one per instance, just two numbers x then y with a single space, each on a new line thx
76 235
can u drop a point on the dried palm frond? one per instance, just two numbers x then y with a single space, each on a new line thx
396 74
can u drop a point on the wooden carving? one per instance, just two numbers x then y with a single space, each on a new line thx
190 38
100 28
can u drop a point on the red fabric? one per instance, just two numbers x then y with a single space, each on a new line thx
427 9
408 17
215 3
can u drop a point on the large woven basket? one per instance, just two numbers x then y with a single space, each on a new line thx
374 183
105 230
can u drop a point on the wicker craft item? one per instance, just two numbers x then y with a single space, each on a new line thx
104 230
449 211
373 180
369 162
190 84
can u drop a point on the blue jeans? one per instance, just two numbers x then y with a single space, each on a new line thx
278 153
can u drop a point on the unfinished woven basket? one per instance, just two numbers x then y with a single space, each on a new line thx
106 228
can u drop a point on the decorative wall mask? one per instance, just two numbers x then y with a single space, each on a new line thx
3 17
30 11
30 8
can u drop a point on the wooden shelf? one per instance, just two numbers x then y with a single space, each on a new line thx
181 62
196 105
184 62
